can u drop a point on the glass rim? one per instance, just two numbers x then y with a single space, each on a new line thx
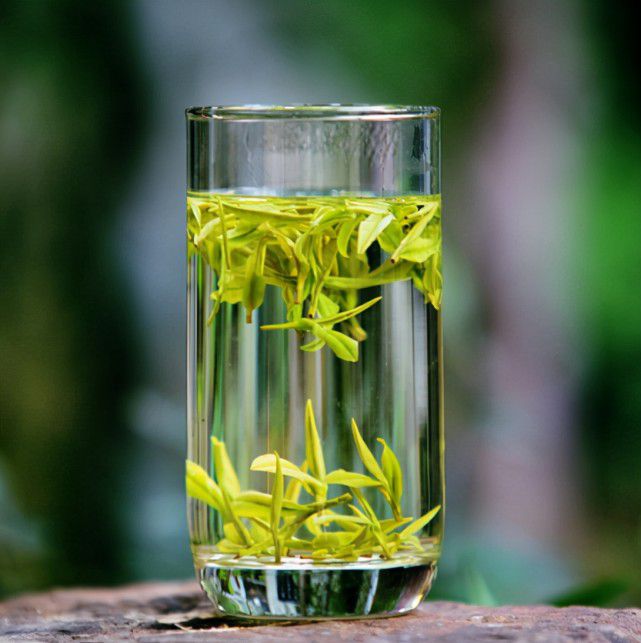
308 111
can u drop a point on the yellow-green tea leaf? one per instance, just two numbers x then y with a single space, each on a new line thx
369 206
357 283
312 346
389 524
231 533
392 471
294 486
261 524
370 514
253 294
251 510
333 540
298 543
350 479
265 499
345 233
349 523
367 456
347 314
390 238
195 208
277 504
224 469
202 487
313 450
327 306
267 463
223 227
427 212
417 525
419 250
369 229
226 546
277 493
254 288
343 346
312 525
230 515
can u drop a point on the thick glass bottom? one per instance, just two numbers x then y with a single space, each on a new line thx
293 590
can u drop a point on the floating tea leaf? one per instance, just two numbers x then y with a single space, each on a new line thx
314 249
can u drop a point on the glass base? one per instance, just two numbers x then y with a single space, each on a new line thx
313 591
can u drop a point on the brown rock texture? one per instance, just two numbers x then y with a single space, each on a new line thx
179 612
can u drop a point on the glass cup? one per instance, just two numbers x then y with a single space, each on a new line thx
315 474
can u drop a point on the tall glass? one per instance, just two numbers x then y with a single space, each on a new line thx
315 439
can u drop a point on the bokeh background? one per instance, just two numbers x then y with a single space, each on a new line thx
542 172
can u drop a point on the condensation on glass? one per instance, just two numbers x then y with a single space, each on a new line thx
248 388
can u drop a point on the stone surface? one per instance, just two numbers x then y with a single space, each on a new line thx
166 612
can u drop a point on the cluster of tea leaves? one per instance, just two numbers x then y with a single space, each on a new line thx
314 249
278 524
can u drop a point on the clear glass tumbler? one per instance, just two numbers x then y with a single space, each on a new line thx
315 438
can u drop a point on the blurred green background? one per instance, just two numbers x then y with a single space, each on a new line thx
542 176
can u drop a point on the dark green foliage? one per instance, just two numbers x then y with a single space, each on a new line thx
70 86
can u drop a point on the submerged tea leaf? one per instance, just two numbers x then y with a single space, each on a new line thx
267 463
294 486
369 230
343 346
277 505
392 472
367 456
347 314
202 487
231 516
419 250
391 523
350 523
269 526
223 468
312 346
345 233
417 525
265 499
313 450
350 479
333 540
327 306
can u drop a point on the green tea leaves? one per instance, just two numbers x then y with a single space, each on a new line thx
314 250
279 524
